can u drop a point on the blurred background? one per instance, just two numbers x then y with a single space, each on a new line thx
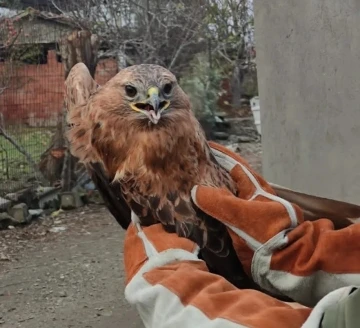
64 268
209 45
61 261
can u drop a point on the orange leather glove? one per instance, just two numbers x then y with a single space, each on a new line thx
171 287
149 242
282 253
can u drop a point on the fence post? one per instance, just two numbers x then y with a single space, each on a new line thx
78 46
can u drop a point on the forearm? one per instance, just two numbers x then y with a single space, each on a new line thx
175 289
309 261
282 253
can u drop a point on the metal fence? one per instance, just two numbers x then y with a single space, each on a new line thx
31 96
29 115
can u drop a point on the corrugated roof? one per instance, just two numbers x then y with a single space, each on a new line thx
31 12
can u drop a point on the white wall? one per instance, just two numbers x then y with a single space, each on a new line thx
308 55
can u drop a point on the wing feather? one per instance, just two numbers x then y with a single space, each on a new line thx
79 86
175 210
178 211
111 194
342 214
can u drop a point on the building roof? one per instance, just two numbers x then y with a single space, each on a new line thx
43 15
38 27
37 4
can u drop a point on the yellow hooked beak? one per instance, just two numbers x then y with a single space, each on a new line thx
152 106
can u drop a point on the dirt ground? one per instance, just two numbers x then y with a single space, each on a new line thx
67 270
71 278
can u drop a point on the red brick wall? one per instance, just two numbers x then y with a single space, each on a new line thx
224 101
37 91
105 70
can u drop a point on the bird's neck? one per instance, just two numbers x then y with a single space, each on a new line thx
169 156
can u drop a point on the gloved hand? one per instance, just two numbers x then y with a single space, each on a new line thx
146 243
171 287
283 254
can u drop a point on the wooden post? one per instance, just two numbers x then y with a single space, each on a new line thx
59 165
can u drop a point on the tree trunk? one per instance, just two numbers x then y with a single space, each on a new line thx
51 161
236 86
79 46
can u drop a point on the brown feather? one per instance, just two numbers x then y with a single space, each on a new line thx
155 166
79 87
148 162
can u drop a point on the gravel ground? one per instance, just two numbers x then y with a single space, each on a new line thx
67 270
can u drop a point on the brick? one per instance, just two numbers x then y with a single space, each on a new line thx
42 90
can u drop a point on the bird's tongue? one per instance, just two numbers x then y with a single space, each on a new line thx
154 116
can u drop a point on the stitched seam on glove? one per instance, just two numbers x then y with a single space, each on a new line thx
252 242
229 163
161 259
160 306
277 242
264 253
150 250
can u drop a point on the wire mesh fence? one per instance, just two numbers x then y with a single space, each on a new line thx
32 90
31 95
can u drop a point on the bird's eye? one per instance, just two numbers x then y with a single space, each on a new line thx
167 88
130 91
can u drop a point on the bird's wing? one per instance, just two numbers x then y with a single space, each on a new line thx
79 86
177 214
342 214
111 194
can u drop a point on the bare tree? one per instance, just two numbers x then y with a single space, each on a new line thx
230 29
165 32
57 163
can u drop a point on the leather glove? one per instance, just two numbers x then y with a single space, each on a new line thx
283 254
171 287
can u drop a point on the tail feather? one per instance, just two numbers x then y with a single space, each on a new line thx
342 214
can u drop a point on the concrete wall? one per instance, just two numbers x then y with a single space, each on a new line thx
308 55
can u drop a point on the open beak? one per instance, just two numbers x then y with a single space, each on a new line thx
154 101
152 106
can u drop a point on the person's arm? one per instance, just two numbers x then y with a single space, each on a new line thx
171 287
284 255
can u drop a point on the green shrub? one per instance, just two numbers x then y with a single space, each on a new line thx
203 85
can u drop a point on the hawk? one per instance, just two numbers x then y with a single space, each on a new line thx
145 150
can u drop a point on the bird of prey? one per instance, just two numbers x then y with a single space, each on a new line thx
145 150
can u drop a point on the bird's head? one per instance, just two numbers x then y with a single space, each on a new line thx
149 93
133 121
